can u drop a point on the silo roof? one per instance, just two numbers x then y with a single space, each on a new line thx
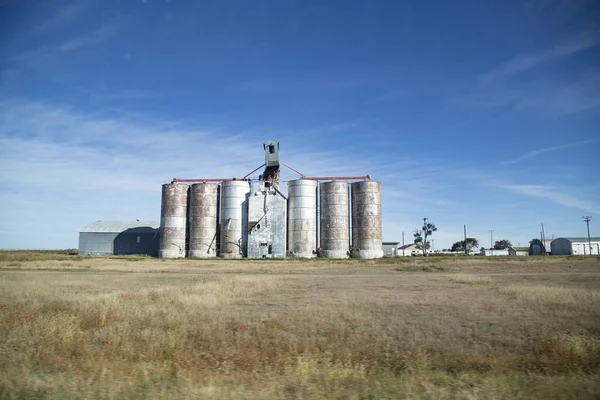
118 226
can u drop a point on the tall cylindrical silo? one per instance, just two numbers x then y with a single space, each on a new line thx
234 215
204 199
334 221
366 219
302 218
173 220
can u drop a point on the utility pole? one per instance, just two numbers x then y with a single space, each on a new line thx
492 241
465 229
587 222
543 236
425 237
402 242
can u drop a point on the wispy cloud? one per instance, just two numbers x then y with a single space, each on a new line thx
303 83
555 195
100 35
536 153
528 61
559 97
75 166
564 94
65 14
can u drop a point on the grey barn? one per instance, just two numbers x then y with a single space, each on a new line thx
119 237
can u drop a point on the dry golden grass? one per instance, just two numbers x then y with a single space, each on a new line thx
580 298
116 328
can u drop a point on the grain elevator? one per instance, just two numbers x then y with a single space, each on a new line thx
331 217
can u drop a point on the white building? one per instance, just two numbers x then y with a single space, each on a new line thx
494 252
580 245
391 249
577 246
519 251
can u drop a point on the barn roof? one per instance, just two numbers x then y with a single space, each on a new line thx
119 226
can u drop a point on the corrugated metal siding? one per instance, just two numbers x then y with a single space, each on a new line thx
96 243
115 237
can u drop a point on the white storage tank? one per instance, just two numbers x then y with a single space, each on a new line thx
334 219
203 222
173 221
366 220
302 218
234 218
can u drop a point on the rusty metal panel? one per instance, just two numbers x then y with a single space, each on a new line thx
302 218
204 198
366 220
234 218
173 221
334 222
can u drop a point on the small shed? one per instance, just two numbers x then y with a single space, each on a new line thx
537 248
390 248
119 237
519 251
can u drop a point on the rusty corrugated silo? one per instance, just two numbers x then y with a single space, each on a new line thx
173 221
302 218
234 218
203 222
334 221
366 220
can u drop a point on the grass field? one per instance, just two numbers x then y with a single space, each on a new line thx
443 328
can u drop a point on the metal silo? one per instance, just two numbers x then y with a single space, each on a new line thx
366 219
203 214
334 221
302 218
173 215
234 218
561 247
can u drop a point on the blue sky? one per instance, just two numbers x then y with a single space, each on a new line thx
468 112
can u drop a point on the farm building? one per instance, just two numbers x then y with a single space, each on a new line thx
511 251
561 247
519 251
390 248
575 246
537 248
119 237
408 250
495 252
